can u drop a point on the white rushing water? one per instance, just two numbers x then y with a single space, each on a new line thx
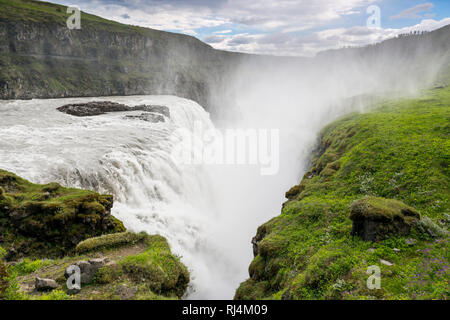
208 213
130 159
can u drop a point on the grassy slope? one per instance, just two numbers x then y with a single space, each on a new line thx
45 12
138 262
400 150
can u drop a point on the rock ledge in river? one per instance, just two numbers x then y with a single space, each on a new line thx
154 113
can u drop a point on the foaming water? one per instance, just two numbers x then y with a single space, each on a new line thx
130 159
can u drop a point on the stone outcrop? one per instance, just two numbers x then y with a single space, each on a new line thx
33 218
93 108
375 219
153 113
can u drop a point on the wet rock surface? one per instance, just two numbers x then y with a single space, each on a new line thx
153 113
148 117
92 108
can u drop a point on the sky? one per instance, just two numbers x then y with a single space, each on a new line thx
277 27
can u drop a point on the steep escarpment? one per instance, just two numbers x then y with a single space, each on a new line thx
42 58
376 196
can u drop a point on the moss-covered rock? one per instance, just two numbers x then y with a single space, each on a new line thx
50 220
294 191
375 218
158 268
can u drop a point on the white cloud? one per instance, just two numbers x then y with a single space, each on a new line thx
309 45
266 26
266 15
413 13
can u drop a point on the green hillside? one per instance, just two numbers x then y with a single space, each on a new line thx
382 167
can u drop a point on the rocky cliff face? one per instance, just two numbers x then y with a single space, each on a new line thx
42 58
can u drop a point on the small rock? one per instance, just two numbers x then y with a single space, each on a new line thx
74 290
371 250
387 263
397 250
45 284
410 241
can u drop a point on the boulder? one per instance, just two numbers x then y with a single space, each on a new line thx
42 284
88 269
94 108
375 219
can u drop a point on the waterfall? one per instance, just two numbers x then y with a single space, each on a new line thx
208 213
130 159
